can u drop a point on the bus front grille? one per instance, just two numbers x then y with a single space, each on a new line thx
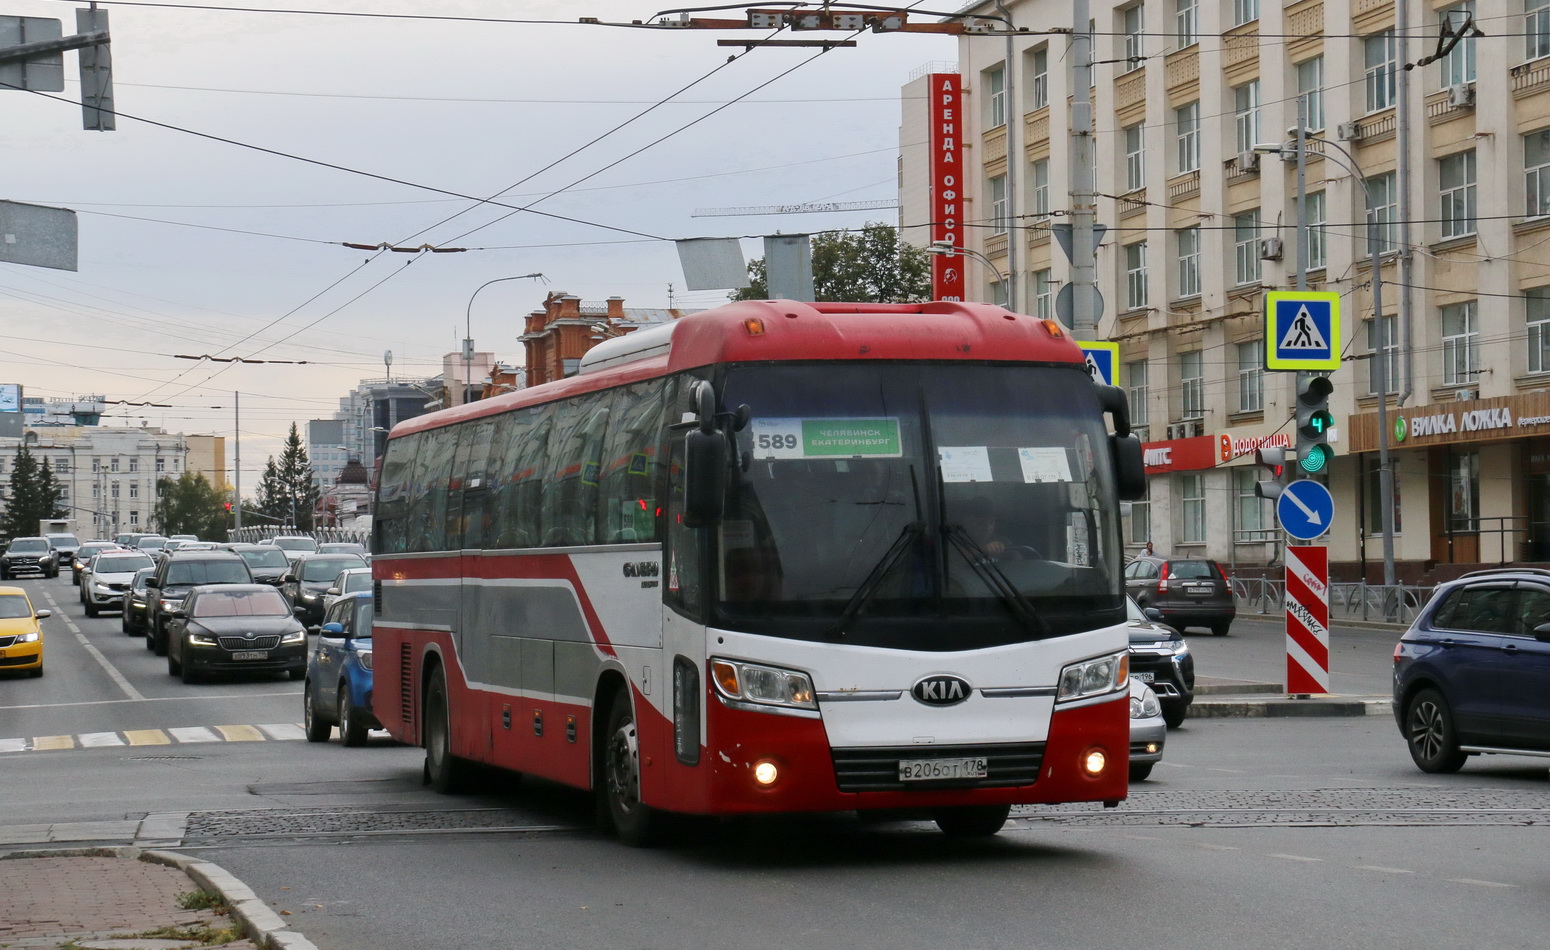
877 770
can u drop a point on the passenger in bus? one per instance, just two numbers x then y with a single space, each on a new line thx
977 516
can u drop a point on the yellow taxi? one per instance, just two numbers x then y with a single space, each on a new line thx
21 638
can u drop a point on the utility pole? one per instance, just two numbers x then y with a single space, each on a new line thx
1084 269
236 440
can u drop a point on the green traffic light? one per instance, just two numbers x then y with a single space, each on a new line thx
1316 458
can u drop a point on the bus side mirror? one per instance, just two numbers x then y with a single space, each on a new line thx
1129 470
705 477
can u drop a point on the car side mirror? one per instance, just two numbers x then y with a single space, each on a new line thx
332 590
287 577
299 610
1542 632
43 614
177 612
152 582
1153 614
334 629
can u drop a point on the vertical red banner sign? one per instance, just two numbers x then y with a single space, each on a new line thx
1307 618
945 140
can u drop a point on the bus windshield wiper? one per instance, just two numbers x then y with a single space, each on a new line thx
985 566
869 586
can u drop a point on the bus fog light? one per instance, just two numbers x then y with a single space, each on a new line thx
1094 761
765 773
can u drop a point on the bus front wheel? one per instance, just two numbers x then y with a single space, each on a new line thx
444 772
636 823
972 821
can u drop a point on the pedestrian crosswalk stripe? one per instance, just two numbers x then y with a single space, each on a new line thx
177 735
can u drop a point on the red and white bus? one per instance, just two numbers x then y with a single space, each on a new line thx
772 557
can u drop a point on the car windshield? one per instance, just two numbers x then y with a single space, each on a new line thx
265 557
119 563
356 581
1191 569
207 572
295 544
87 551
140 577
28 546
242 603
327 568
150 542
14 607
887 498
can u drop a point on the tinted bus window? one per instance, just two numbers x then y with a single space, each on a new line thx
572 471
393 490
432 469
632 462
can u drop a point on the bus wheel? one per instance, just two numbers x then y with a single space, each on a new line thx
971 821
444 772
636 823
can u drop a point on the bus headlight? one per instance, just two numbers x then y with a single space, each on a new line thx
1094 677
766 685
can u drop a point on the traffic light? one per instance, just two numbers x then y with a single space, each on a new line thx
228 507
1276 462
1313 423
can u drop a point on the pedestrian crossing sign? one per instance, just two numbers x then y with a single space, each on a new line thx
1302 330
1102 362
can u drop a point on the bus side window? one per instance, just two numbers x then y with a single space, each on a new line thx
520 512
566 520
433 472
631 454
683 588
473 459
393 489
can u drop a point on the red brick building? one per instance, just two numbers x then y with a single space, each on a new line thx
557 336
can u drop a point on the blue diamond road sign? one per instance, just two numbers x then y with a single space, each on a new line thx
1305 509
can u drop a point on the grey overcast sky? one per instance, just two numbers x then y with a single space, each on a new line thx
194 246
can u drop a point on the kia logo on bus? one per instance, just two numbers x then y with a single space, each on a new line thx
941 690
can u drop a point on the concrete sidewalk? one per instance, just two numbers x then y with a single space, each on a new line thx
129 899
1242 699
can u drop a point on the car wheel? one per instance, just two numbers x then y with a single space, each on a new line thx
444 772
971 821
351 730
1174 714
54 573
1429 733
91 609
636 823
1219 629
123 622
1138 773
174 667
35 673
318 729
188 673
160 639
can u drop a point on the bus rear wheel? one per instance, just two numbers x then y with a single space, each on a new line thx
637 824
971 821
444 772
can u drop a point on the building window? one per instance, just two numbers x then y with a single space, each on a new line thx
134 519
1043 295
1383 215
161 464
1460 340
96 464
113 490
1136 376
1192 385
1246 110
1187 119
1192 511
1138 523
1135 275
1135 36
96 491
1310 87
1185 22
1374 489
1313 220
1389 359
1039 175
1378 56
1536 28
1245 236
1040 77
1456 177
1135 157
113 466
134 465
1536 171
1244 11
1188 242
134 489
1000 219
1458 66
1464 491
998 293
64 492
1538 319
1253 515
62 466
1251 376
995 84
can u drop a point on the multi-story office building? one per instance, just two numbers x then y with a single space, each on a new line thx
1201 226
107 476
326 450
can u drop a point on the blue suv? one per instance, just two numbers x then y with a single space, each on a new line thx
338 689
1472 674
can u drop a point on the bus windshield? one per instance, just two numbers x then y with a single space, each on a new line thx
874 502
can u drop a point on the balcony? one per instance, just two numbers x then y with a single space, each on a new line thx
1531 77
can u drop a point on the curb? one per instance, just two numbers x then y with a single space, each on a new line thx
1285 708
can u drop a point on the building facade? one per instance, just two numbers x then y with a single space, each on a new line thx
107 476
559 335
1201 226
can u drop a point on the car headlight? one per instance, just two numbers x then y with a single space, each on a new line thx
365 657
766 685
295 636
102 587
1094 677
31 637
202 639
170 604
1144 705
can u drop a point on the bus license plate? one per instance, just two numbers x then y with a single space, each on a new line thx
927 770
250 655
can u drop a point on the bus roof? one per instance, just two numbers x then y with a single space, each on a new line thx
761 330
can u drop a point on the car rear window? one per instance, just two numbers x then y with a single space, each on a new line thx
120 563
328 568
1189 569
208 572
265 557
355 582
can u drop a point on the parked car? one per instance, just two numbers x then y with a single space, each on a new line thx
176 574
267 562
338 688
85 553
1160 658
349 581
1189 591
66 544
309 578
107 577
29 556
1472 674
246 628
1148 731
21 636
137 603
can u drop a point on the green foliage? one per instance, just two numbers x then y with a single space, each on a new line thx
871 265
33 495
286 493
189 504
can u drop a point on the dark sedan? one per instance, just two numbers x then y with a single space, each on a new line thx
137 603
235 628
309 579
85 553
267 562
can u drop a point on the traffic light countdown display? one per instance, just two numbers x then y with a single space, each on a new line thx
1313 423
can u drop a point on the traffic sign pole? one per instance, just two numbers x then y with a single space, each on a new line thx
1307 619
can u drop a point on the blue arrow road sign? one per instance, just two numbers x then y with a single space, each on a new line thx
1305 509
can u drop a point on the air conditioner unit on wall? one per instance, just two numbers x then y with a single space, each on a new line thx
1349 131
1461 96
1270 249
1463 395
1248 161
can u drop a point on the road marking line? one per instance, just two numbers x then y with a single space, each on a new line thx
53 742
13 745
1382 870
95 740
1470 880
1294 857
203 696
96 654
147 737
193 734
284 730
1215 847
240 733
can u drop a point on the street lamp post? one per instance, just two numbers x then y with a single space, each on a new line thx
952 250
1380 358
468 328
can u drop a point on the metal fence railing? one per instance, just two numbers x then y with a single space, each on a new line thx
262 532
1382 603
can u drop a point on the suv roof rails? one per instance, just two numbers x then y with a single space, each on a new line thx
1542 572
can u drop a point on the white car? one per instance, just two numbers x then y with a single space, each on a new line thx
350 580
1148 731
107 576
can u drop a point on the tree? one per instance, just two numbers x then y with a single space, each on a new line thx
872 265
286 492
26 503
189 504
49 492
